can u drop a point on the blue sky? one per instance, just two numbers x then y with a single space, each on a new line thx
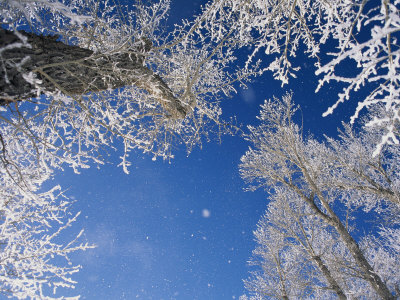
181 229
167 231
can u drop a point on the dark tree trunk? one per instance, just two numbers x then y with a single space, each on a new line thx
328 276
73 70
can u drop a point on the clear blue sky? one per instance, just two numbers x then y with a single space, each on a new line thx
180 230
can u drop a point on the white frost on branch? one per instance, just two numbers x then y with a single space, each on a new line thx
310 238
31 222
330 33
60 129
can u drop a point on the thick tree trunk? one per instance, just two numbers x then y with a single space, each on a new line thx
73 70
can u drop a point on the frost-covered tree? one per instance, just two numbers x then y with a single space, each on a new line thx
112 69
32 221
336 182
362 34
293 252
77 78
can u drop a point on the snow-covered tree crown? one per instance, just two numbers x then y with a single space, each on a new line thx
311 239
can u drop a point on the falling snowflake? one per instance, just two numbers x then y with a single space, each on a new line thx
206 213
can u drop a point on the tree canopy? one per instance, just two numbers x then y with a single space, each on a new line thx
78 76
311 241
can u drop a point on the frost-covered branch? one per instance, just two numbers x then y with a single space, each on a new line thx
332 34
330 180
31 222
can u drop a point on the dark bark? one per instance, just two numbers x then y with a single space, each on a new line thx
75 71
331 280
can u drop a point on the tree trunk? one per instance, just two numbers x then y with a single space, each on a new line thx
368 272
332 282
35 64
332 219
